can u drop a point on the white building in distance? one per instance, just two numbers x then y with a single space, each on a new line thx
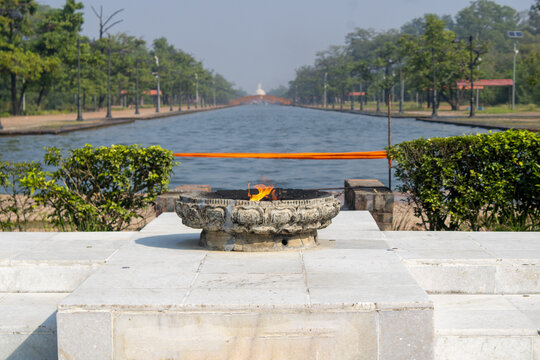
259 90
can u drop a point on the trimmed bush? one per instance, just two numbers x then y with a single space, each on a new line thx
16 204
473 182
104 188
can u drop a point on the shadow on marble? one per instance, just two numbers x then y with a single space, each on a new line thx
39 345
171 241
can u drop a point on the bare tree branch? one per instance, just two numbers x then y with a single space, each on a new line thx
112 15
103 28
110 26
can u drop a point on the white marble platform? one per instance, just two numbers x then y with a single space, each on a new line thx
164 297
483 286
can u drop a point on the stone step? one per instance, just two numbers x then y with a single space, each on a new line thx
487 327
54 262
470 262
28 326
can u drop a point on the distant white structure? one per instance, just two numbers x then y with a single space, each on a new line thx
259 90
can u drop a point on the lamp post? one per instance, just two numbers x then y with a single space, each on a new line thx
171 97
351 96
214 90
109 115
516 51
401 88
471 64
157 78
389 139
325 100
137 87
514 35
179 93
477 87
79 109
434 112
196 91
361 97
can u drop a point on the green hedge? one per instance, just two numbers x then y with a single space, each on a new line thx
473 182
100 189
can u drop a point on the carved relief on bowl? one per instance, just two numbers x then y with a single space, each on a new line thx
240 216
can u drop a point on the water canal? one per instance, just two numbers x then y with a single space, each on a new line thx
252 128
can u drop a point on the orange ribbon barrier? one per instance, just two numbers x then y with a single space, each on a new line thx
299 156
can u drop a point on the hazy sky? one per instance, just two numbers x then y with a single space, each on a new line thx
252 41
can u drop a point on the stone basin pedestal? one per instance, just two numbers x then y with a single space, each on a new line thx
237 224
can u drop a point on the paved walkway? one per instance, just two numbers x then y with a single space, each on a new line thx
60 123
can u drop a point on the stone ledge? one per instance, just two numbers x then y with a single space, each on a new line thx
470 262
486 327
371 195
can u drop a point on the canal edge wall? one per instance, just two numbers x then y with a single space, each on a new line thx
101 123
426 119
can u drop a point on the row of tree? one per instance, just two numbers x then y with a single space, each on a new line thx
427 56
39 57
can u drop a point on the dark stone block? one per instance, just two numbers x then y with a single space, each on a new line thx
373 196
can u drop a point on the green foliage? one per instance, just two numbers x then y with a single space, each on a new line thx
16 205
485 181
428 47
436 59
338 67
307 85
488 22
38 61
528 77
102 189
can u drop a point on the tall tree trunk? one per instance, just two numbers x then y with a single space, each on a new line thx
450 99
21 95
101 99
454 100
40 97
14 102
342 98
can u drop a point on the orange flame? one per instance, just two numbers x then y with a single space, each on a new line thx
264 191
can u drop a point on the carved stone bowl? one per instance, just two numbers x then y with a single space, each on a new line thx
230 222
